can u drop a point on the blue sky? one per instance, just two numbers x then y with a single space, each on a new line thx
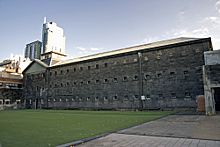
93 26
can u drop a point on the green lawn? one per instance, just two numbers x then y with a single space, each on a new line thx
39 128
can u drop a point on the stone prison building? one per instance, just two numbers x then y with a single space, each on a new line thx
161 75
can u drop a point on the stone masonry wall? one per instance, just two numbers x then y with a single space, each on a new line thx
169 77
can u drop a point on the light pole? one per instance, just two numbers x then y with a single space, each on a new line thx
140 80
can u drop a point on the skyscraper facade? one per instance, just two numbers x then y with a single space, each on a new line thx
33 50
53 38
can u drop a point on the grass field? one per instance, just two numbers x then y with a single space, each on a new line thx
42 128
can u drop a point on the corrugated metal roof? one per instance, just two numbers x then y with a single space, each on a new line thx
129 49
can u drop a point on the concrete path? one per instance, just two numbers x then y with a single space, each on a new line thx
123 140
186 126
174 130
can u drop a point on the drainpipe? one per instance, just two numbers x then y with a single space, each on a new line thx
141 93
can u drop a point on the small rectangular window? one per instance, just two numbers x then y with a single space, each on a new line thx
185 72
115 97
106 64
81 68
97 66
136 96
172 73
89 67
125 78
147 77
135 77
106 80
173 95
126 97
187 94
115 80
159 75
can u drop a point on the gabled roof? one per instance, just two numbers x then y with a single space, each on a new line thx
131 49
35 61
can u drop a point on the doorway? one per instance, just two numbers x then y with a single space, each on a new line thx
217 98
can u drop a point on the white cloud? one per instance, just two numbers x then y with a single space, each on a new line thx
217 6
81 48
207 27
94 49
149 40
86 51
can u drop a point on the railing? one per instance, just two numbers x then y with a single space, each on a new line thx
12 76
14 105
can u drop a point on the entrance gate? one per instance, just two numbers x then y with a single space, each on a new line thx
217 98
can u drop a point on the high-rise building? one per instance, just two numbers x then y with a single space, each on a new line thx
53 38
53 42
33 50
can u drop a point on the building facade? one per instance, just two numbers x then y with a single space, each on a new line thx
160 75
211 75
11 85
53 38
33 50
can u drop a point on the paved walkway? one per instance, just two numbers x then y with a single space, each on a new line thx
123 140
174 130
186 126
